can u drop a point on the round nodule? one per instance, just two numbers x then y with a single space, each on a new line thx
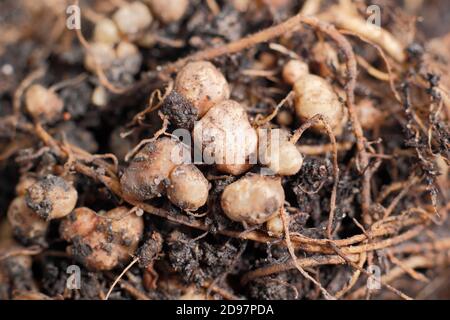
106 31
26 224
168 11
253 199
202 84
188 188
51 197
226 137
43 104
150 168
314 95
133 18
102 242
294 70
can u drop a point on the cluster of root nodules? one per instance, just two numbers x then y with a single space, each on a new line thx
353 205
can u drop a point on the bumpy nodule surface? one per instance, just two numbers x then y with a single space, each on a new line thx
226 137
26 224
202 84
314 95
188 187
275 226
368 114
168 10
24 183
294 70
133 18
180 111
102 242
150 168
51 197
101 55
106 31
253 199
43 104
279 154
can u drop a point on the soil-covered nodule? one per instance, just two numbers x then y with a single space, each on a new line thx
190 149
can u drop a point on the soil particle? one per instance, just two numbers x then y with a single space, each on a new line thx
199 261
180 111
37 196
76 99
150 250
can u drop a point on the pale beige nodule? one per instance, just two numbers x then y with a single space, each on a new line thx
202 84
253 199
188 187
